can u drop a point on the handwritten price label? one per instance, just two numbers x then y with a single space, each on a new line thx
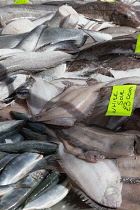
121 100
21 2
137 50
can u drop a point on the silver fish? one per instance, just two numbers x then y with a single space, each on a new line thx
18 167
17 196
49 198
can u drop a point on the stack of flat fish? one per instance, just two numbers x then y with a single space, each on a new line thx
58 64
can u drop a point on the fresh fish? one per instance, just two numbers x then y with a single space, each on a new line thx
55 35
10 12
20 116
119 31
29 146
99 181
9 126
65 17
5 160
17 138
73 104
118 62
116 12
18 195
33 61
43 19
40 93
130 197
50 180
29 42
50 198
49 35
9 51
10 84
29 135
18 27
120 46
67 46
97 142
10 41
129 168
18 167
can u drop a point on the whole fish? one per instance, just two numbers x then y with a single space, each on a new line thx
96 140
116 12
18 167
73 104
50 198
32 61
18 195
29 146
98 181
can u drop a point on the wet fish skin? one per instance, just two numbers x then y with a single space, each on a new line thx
50 180
108 194
120 46
29 135
18 167
10 84
117 12
4 161
33 62
17 196
69 105
20 116
29 146
18 27
50 198
11 12
9 126
29 42
97 141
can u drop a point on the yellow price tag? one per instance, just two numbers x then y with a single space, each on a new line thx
121 100
107 0
21 2
137 50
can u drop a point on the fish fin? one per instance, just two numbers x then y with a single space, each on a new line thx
8 141
130 180
87 200
69 47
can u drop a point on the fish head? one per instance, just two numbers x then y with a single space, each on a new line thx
125 16
39 174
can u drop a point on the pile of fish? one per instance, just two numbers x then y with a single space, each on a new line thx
59 62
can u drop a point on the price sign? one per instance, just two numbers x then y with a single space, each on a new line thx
21 2
121 100
137 50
